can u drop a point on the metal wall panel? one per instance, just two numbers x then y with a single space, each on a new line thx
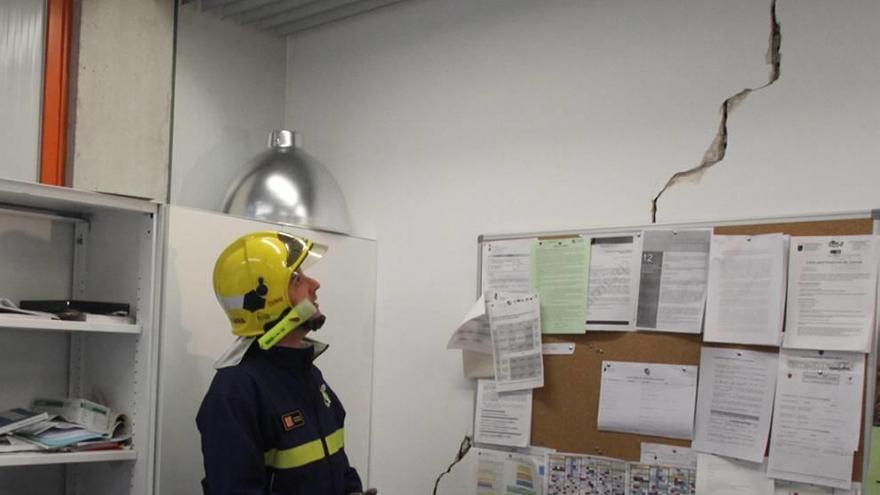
21 84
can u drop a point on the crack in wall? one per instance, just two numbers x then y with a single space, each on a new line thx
718 149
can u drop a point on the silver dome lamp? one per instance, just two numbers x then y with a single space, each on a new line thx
285 185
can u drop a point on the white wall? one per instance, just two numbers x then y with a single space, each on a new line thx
21 87
446 119
229 94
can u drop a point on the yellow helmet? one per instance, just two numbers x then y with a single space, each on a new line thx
252 274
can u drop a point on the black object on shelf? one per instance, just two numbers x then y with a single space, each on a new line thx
72 307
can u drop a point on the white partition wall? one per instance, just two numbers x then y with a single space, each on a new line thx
195 332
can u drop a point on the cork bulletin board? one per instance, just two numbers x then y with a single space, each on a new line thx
565 410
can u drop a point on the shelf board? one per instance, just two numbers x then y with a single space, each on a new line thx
23 323
41 458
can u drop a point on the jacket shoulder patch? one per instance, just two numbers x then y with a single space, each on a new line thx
293 420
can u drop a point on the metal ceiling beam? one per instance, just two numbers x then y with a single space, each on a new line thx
213 4
242 6
343 12
308 10
277 7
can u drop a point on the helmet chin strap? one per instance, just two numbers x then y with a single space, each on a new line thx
298 316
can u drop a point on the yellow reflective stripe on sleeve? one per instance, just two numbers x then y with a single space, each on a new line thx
306 453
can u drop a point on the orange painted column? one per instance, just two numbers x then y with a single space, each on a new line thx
53 140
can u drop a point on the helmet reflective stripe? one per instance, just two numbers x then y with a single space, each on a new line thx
232 302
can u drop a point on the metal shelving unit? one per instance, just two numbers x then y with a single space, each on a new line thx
23 323
45 458
59 243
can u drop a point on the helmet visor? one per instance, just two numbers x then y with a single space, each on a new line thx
315 254
301 253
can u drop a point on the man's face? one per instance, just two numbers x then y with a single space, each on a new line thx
302 287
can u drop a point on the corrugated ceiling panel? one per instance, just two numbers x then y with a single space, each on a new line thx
287 17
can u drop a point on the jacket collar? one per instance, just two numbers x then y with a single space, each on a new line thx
235 353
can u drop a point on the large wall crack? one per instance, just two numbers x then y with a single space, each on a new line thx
718 149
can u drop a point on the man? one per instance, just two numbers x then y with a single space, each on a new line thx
270 425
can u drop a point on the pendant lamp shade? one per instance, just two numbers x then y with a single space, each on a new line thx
285 185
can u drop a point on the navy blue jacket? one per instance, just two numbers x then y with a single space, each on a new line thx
271 426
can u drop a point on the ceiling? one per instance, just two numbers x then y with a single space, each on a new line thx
288 17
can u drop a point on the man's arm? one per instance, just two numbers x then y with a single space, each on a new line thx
353 485
232 455
352 479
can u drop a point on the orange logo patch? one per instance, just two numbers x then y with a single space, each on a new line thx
292 420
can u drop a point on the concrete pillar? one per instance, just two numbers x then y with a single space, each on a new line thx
121 73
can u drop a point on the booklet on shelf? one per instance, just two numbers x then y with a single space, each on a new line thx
56 438
15 419
91 415
12 443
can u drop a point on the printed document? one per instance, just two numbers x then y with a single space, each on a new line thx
746 295
473 333
495 472
832 291
502 419
647 398
613 287
668 455
735 402
646 479
721 476
505 265
559 276
872 477
574 474
515 325
672 283
816 419
792 488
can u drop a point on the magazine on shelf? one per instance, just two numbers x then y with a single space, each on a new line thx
15 419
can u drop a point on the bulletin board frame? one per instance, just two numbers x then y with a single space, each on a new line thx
565 410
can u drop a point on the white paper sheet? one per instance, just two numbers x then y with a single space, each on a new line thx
505 265
559 276
781 487
668 455
746 294
735 402
574 474
613 288
648 398
792 488
647 479
496 472
515 324
816 419
672 283
473 333
558 348
477 365
721 476
832 291
502 419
